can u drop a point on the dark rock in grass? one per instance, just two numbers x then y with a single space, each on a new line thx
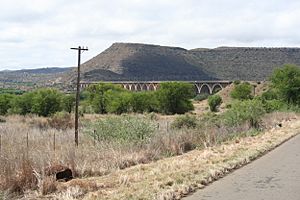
61 173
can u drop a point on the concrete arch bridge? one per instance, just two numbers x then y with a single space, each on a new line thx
201 87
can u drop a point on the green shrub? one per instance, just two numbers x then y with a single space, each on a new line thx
228 105
124 128
143 102
236 82
242 111
273 105
214 102
270 95
286 81
46 102
5 105
175 97
118 102
184 121
201 97
22 105
85 107
97 96
242 91
68 102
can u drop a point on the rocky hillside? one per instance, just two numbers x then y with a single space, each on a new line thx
232 63
27 79
141 62
129 61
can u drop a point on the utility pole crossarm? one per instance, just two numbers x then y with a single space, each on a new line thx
80 50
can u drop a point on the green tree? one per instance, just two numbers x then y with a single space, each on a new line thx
5 100
175 97
214 102
286 81
97 97
22 104
46 102
68 102
118 102
242 91
143 102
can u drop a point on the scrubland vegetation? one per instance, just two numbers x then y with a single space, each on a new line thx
36 128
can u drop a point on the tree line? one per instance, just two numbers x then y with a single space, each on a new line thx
171 98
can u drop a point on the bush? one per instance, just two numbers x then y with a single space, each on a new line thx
5 105
22 104
214 102
143 102
273 105
175 97
117 102
242 111
124 129
242 91
286 81
97 95
61 121
201 97
68 102
46 102
270 95
236 82
185 121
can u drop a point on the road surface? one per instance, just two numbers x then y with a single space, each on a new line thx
275 176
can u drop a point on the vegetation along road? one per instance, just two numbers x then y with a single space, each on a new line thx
275 176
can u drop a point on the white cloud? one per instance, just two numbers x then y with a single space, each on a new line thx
39 33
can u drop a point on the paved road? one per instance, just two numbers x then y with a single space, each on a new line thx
275 176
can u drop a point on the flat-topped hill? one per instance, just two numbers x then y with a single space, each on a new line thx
130 61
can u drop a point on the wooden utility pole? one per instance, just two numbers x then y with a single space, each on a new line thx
79 49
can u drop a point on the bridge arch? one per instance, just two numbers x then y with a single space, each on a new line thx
150 87
216 88
197 88
205 89
131 87
126 86
144 87
138 87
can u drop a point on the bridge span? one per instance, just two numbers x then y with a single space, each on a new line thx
201 87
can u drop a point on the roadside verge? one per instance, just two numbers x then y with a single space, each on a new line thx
175 177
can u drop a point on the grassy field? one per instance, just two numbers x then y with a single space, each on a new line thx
29 145
136 156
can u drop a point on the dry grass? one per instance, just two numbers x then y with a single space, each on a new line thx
172 178
29 145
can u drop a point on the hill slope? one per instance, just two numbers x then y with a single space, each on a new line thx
40 77
141 62
129 61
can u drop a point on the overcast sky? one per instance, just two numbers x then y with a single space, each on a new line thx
39 33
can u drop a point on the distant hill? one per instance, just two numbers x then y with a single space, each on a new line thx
127 61
130 61
40 77
143 62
